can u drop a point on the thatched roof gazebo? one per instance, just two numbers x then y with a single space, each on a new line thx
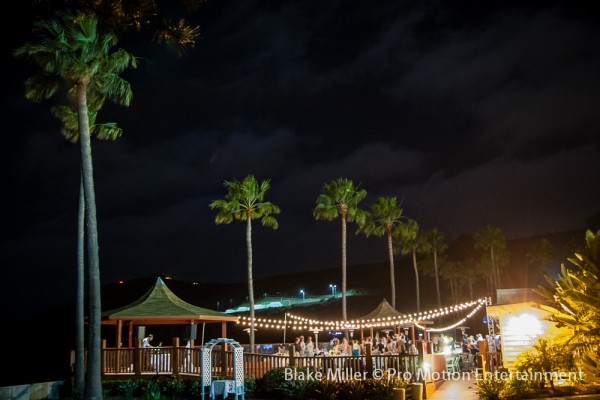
383 311
160 306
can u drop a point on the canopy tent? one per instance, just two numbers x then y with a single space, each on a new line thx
382 312
160 306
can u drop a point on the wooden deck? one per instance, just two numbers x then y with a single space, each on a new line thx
122 363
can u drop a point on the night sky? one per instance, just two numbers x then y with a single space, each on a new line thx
471 112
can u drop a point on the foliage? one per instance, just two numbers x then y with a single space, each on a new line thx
545 357
171 387
250 386
152 390
574 301
490 389
119 17
515 388
129 387
176 388
275 385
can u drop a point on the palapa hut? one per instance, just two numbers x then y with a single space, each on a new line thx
382 313
160 306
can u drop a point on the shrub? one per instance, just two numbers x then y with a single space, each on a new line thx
128 388
152 390
274 383
490 389
546 357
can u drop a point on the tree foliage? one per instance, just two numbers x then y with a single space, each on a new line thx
574 301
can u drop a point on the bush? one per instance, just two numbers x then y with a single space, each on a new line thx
491 389
274 384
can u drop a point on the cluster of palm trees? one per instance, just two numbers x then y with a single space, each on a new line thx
244 201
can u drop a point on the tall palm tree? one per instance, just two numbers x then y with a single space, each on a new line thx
453 271
69 51
541 255
341 198
384 218
490 239
68 116
244 201
118 17
408 234
433 243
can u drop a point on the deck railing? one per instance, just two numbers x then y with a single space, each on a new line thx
169 360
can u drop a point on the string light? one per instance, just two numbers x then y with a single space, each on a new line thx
297 322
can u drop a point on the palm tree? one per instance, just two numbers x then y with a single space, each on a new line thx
118 17
541 254
384 218
111 131
70 52
341 198
412 243
244 202
452 271
490 239
433 243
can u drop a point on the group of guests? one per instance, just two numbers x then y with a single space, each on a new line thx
394 344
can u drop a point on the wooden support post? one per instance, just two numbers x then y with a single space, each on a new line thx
118 341
292 352
369 359
175 356
130 335
137 358
103 358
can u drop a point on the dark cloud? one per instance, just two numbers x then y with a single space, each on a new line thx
470 113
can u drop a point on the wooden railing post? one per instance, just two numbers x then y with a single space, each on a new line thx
137 358
103 358
369 360
175 356
292 355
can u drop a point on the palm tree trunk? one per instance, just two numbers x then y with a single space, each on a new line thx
437 278
392 275
93 386
414 258
250 281
470 280
79 302
453 290
494 274
344 314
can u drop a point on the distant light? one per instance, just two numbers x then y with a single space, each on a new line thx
121 282
168 277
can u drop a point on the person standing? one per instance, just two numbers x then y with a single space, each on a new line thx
146 341
310 347
302 347
355 348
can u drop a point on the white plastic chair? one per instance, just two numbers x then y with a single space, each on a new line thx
454 366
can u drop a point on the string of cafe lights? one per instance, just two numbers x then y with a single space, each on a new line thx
295 322
454 325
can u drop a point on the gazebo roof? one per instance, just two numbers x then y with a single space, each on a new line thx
161 306
383 310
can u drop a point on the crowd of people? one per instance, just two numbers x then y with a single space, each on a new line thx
397 343
385 344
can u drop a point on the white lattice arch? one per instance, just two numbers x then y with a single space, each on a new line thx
238 365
